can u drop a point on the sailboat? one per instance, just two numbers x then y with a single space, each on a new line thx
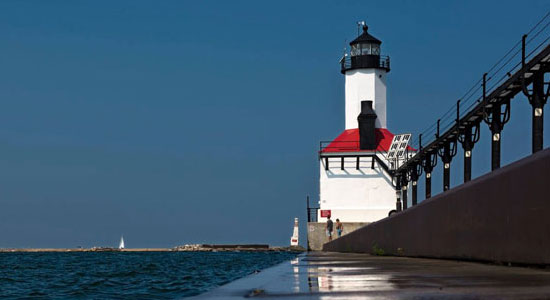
121 245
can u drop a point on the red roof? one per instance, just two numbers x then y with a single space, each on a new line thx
348 141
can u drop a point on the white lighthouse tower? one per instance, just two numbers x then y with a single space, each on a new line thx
354 183
365 74
294 237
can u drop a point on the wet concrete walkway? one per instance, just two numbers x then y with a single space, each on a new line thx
360 276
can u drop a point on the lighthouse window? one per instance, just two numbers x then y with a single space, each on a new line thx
365 49
375 49
355 50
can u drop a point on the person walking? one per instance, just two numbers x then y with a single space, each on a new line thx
339 227
329 228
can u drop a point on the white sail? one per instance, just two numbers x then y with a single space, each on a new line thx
121 245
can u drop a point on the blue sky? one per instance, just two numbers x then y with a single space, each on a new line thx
177 122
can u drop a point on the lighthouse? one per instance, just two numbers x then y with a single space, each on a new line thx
365 71
355 185
294 237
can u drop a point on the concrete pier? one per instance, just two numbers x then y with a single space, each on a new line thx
499 217
317 236
325 275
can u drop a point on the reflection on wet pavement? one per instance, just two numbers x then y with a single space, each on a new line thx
346 279
359 275
321 275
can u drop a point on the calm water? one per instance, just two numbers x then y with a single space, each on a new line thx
126 275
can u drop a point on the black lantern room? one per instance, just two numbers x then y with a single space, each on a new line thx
365 53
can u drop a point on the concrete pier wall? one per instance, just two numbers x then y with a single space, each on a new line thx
503 216
316 234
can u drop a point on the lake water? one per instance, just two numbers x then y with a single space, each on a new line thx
125 275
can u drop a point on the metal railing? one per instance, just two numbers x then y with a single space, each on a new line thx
487 101
383 62
510 63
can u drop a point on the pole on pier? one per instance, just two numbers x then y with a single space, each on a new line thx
398 192
468 135
404 191
414 172
495 150
414 192
496 129
537 100
496 120
446 175
467 138
537 103
428 184
467 146
446 166
405 196
447 152
428 163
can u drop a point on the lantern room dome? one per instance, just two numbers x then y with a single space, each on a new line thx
365 38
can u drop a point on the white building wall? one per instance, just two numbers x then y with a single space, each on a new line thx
364 195
361 85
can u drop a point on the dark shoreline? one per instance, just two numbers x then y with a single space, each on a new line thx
185 248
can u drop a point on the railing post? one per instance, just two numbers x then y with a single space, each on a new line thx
523 38
484 87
